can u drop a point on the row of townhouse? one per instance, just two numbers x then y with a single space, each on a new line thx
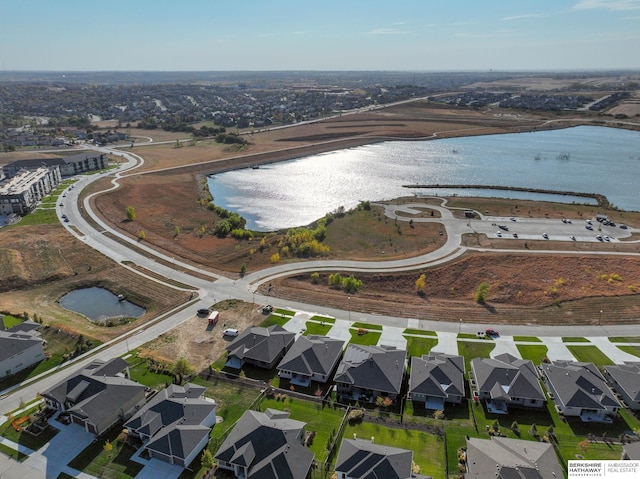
366 373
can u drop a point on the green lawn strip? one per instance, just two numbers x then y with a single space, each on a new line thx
317 328
139 371
630 339
284 312
20 437
574 339
428 449
275 318
590 354
18 456
533 352
570 450
635 350
321 420
374 327
632 421
37 217
10 321
419 332
474 349
470 336
527 339
456 439
419 346
323 319
97 460
368 339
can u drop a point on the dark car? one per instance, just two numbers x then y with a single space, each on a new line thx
268 309
491 332
203 312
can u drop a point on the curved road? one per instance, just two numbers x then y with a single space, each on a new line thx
206 292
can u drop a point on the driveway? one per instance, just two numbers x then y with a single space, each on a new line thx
53 458
157 469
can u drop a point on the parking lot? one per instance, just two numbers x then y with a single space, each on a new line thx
568 229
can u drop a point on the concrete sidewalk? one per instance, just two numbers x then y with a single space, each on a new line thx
505 344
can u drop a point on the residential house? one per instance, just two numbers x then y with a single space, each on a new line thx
368 372
261 347
268 444
175 425
579 389
436 379
311 358
362 459
20 347
98 396
506 381
625 379
504 458
21 193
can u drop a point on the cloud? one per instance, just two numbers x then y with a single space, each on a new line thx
497 34
607 4
527 15
385 31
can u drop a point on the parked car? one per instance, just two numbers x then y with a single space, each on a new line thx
491 333
545 235
268 309
203 312
232 333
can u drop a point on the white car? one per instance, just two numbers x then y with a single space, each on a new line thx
230 332
545 235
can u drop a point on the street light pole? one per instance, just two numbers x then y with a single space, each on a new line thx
349 306
600 318
459 326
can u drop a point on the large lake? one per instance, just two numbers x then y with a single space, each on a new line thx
294 193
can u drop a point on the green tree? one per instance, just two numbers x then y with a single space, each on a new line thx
206 461
141 235
243 269
481 293
180 369
131 213
421 282
315 277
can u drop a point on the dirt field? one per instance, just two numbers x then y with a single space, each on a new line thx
199 343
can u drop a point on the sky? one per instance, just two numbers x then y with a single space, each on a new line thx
354 35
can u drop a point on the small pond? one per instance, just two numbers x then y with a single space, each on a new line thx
99 304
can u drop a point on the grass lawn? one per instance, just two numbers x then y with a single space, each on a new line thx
457 438
428 449
470 336
473 349
635 350
316 328
323 319
97 460
284 312
32 442
374 327
10 321
275 318
37 217
574 339
323 421
419 346
419 332
590 354
528 339
139 371
631 339
534 353
368 339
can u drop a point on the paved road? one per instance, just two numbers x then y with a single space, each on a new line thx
216 288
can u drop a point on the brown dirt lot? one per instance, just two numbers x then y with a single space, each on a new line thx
198 343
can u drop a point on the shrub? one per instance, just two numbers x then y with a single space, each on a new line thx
355 415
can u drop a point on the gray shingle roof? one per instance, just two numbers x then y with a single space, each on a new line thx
380 368
174 419
437 375
627 377
365 460
16 342
261 344
275 450
579 385
504 458
312 354
515 377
